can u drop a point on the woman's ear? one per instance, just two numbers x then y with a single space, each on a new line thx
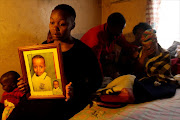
73 25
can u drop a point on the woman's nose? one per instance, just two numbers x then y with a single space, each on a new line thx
56 27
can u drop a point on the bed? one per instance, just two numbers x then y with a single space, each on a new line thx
162 109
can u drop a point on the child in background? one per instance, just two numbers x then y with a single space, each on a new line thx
12 95
40 80
56 89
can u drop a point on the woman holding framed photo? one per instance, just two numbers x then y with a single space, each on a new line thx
81 70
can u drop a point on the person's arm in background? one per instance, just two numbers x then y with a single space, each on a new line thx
94 74
127 56
92 38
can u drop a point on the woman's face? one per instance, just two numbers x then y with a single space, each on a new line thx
60 25
138 35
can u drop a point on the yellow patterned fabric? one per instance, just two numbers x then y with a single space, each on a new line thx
8 109
159 67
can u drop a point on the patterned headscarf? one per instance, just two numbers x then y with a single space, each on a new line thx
149 36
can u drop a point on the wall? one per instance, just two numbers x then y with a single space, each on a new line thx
134 12
25 22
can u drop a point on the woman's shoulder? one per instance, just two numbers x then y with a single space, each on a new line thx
81 45
82 48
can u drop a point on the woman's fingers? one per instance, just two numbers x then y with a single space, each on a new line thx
22 85
69 91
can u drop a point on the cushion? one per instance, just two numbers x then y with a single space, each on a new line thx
172 48
175 66
125 96
117 92
125 81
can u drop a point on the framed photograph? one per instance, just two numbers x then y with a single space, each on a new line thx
42 67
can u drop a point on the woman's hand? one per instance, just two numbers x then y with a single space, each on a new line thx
69 91
22 85
146 52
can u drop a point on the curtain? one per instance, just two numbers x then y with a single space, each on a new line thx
152 12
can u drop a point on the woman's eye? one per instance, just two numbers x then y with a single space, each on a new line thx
52 23
62 24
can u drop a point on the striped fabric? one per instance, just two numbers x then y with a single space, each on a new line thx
148 36
152 12
159 67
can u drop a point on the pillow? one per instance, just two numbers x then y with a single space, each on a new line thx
125 81
177 51
125 96
172 48
116 93
175 66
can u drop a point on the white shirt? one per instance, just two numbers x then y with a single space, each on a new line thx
41 83
57 91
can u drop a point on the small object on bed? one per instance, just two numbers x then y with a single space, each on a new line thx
172 48
177 77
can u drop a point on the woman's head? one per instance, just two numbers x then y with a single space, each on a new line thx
138 31
62 21
149 39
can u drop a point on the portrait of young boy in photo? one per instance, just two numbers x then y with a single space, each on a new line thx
40 80
56 89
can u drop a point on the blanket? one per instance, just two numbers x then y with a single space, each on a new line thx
158 82
118 91
159 67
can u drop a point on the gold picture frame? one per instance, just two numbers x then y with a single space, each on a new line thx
43 85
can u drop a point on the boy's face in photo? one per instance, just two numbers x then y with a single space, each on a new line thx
7 84
39 66
60 25
56 84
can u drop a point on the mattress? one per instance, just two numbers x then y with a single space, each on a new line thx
161 109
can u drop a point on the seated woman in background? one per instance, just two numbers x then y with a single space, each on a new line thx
126 61
152 70
138 31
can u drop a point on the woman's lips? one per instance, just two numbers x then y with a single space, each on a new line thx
56 36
